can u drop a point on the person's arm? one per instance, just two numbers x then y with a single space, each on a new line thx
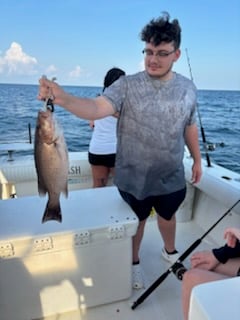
224 253
210 259
191 139
204 260
85 108
232 248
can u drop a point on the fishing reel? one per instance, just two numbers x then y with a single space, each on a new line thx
213 146
178 269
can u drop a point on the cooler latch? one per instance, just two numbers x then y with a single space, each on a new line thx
82 238
42 244
6 250
116 232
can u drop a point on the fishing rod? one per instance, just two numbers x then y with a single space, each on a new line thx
199 117
178 268
29 133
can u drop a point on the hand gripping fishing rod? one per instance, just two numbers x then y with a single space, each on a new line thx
178 268
199 117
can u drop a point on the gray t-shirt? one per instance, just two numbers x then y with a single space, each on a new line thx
150 136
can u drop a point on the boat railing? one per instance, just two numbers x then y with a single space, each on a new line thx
11 147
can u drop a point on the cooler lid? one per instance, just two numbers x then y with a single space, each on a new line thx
90 209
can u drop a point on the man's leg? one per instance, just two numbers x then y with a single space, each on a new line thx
137 239
166 207
137 277
142 209
167 229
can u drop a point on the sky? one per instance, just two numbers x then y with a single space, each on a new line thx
78 41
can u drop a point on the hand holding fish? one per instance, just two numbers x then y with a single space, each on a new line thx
49 89
85 108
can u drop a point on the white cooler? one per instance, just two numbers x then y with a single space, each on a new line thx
216 300
51 268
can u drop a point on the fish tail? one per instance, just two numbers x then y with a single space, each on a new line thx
52 213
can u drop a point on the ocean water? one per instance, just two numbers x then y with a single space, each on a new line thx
218 114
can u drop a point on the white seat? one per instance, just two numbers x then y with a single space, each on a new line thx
218 300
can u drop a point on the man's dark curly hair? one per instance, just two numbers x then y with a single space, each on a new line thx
162 30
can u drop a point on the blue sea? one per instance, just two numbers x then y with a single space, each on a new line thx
219 116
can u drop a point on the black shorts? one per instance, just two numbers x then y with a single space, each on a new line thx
106 160
165 205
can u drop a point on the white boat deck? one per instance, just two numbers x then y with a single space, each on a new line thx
165 301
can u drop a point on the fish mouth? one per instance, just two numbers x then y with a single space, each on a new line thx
50 105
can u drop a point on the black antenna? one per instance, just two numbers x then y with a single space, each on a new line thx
199 117
29 133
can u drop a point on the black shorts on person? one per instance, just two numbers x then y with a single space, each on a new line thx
165 205
106 160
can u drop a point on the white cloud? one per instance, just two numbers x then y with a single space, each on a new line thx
52 70
76 72
16 61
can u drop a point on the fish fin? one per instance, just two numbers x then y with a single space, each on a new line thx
52 213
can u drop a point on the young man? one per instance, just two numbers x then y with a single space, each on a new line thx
157 117
212 265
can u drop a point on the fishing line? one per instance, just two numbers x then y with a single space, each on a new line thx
199 117
178 268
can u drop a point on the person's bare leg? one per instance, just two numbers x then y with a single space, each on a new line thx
194 277
100 176
167 229
137 239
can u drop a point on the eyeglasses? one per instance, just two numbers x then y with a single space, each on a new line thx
158 54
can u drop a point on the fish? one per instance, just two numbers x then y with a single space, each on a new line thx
51 162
